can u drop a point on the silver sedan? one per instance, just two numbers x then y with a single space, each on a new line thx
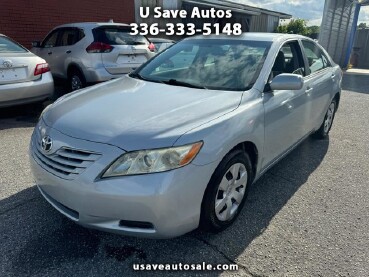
24 77
177 144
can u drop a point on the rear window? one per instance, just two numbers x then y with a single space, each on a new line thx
9 46
118 36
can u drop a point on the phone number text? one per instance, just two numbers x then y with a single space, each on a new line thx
189 29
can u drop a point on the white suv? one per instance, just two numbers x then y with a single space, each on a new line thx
92 52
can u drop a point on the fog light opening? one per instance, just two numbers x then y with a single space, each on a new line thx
136 224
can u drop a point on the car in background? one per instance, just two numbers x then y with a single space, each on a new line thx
24 77
85 53
165 150
161 43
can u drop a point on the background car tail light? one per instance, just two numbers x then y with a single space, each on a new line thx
152 47
41 68
99 47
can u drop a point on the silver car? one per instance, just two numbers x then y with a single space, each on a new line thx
24 77
85 53
165 150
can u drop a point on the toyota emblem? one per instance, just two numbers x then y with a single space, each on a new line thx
7 64
46 143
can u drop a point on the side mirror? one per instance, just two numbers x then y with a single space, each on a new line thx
287 82
36 44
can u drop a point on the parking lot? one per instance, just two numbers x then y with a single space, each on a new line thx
308 216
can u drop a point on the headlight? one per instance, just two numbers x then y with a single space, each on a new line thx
150 161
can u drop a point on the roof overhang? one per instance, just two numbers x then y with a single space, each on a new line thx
221 6
236 7
363 2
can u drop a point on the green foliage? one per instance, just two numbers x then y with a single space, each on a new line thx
298 26
362 25
314 29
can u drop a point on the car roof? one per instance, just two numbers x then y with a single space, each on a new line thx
91 25
253 36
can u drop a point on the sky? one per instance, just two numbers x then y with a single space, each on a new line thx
311 10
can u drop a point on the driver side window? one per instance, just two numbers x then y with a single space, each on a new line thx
50 40
289 60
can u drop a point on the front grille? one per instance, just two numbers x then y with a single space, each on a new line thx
66 162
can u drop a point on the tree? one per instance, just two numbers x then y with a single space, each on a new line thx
296 26
313 32
314 29
362 25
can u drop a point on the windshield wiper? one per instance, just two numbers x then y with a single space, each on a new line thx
171 82
139 76
174 82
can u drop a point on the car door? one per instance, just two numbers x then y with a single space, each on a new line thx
286 112
320 81
63 52
47 48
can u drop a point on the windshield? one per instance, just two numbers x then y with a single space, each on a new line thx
8 46
217 64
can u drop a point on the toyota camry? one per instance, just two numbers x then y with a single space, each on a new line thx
24 77
176 144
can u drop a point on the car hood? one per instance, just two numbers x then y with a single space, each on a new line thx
134 114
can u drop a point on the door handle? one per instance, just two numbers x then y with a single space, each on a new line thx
49 53
333 77
68 52
309 90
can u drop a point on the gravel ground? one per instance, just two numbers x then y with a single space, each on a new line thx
308 216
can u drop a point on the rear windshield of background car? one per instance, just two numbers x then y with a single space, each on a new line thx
8 46
118 36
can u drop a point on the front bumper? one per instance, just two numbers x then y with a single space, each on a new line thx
27 92
160 205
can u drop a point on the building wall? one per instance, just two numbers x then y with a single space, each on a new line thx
259 23
336 29
29 20
264 23
360 54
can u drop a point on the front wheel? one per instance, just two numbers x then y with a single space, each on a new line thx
226 192
326 126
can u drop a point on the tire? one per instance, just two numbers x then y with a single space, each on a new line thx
216 215
326 126
76 80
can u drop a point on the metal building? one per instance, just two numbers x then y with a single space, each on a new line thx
252 19
337 32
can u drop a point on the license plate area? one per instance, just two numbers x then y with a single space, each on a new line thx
8 75
131 59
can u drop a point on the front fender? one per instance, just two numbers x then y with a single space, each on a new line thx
220 136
